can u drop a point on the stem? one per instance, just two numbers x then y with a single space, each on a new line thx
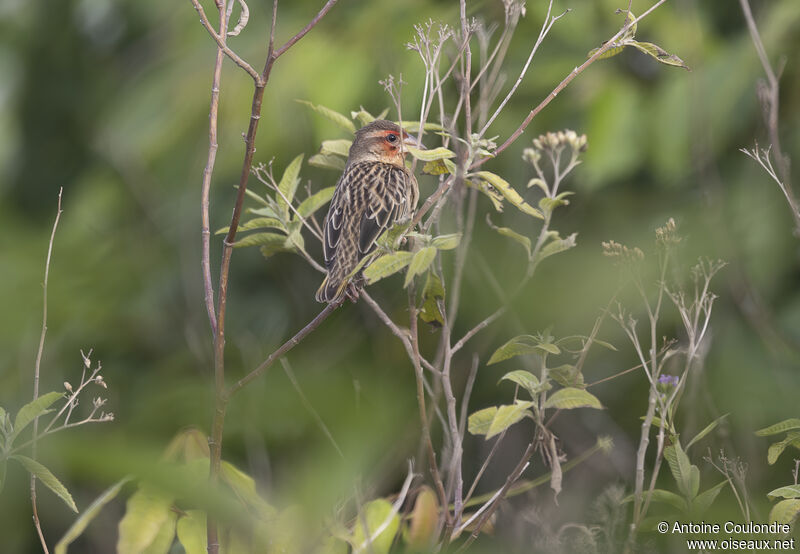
36 368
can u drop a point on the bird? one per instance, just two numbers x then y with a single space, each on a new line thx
375 191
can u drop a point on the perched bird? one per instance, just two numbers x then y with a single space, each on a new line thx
375 191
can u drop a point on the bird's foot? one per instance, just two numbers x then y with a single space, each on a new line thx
353 292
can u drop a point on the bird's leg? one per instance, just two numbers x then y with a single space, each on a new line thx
353 292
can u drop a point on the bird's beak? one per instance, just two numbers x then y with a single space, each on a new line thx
408 140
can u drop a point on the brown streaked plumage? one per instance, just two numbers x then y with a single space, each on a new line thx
374 191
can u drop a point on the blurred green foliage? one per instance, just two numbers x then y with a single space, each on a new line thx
110 100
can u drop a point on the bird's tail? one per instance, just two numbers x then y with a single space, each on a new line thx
331 289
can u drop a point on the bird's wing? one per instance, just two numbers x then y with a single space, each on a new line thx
385 201
334 220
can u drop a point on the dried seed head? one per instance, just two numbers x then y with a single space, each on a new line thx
67 386
622 253
668 234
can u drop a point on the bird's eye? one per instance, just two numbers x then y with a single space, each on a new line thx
391 137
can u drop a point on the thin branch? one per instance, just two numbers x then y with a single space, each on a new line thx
304 31
37 366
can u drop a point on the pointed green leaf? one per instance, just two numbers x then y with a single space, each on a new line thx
783 426
334 116
364 117
785 511
433 154
261 239
556 245
706 430
147 512
377 514
789 491
31 410
315 201
776 449
658 53
507 416
446 242
433 292
420 263
570 398
681 469
338 147
525 379
256 223
610 53
79 525
270 210
547 205
489 191
566 375
666 497
480 421
327 162
509 193
387 265
413 126
47 478
288 185
510 233
705 499
522 344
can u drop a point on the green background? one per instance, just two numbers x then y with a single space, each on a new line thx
109 100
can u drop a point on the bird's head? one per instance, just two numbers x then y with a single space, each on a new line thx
381 141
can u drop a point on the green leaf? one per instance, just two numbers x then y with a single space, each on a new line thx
376 514
785 425
147 512
433 292
191 530
789 491
364 117
630 20
288 185
667 497
47 478
479 422
334 116
610 53
413 126
315 201
681 469
708 428
256 223
556 245
571 397
338 147
658 53
510 233
490 192
509 193
327 162
705 499
525 379
79 525
439 167
30 411
547 205
270 210
244 487
567 375
260 239
431 155
507 416
420 263
776 449
387 265
446 242
785 511
522 344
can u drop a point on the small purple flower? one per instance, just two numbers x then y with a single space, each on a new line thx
668 381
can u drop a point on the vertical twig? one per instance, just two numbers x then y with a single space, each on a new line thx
37 366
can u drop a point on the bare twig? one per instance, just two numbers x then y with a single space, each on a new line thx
37 366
